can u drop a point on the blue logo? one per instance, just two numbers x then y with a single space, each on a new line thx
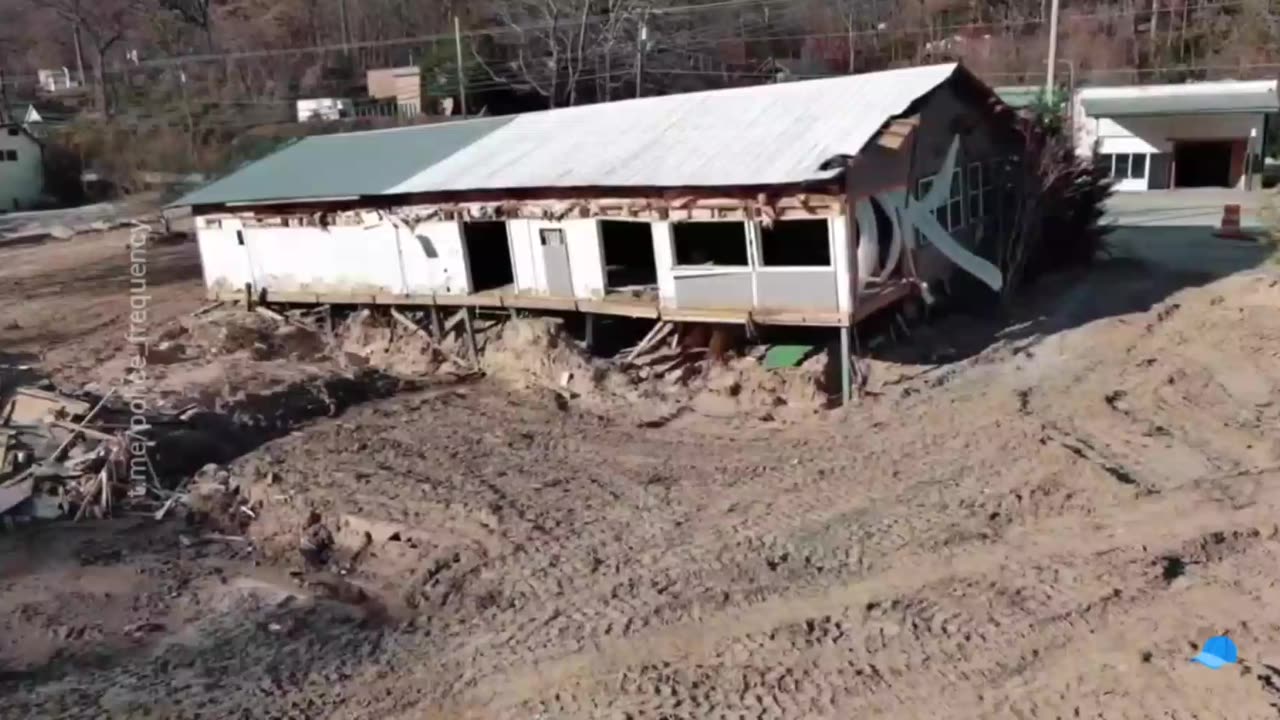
1218 651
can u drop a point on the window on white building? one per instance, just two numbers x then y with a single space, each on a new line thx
1124 166
11 155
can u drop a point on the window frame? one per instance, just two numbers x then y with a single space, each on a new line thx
758 229
713 267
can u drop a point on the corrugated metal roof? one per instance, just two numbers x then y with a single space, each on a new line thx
1019 96
761 135
1225 96
344 165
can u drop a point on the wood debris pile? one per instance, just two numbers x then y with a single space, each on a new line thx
62 456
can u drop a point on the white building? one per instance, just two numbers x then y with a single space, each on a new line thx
1154 137
54 80
325 109
814 203
21 169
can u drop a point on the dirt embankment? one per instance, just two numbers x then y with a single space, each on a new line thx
1034 520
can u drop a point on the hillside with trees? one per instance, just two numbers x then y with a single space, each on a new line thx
206 70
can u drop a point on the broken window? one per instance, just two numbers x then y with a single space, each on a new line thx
796 243
628 254
488 255
710 242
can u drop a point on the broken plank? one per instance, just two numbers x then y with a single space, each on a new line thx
655 336
208 308
411 325
57 454
268 312
87 432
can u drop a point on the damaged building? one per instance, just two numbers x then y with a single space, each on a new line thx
813 203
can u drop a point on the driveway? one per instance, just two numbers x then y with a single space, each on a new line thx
1175 228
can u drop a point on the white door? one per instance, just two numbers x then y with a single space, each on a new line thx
555 259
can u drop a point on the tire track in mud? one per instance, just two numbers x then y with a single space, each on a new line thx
946 629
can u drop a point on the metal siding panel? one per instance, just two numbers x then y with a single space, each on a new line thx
797 290
586 261
719 291
290 259
664 261
335 259
433 258
223 259
522 256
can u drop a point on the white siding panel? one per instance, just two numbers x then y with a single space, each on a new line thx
334 259
434 260
586 257
223 259
840 256
368 258
525 260
21 179
664 260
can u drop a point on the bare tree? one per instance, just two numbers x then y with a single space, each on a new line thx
195 13
105 23
548 44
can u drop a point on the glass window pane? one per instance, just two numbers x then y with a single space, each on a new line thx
1121 171
975 177
1138 167
957 214
923 187
975 205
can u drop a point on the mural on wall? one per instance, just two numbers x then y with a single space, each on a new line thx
906 218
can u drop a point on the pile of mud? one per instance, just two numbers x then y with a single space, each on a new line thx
228 358
540 353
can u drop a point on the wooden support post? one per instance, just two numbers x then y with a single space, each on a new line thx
471 336
591 332
436 328
846 385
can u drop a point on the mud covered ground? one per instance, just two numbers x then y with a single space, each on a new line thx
1043 521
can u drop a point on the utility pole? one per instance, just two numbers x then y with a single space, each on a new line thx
1053 52
642 39
4 102
346 29
75 36
462 76
1155 14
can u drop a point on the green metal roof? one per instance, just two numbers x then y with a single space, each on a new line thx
1019 96
344 165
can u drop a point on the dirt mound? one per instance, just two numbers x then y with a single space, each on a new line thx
538 352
